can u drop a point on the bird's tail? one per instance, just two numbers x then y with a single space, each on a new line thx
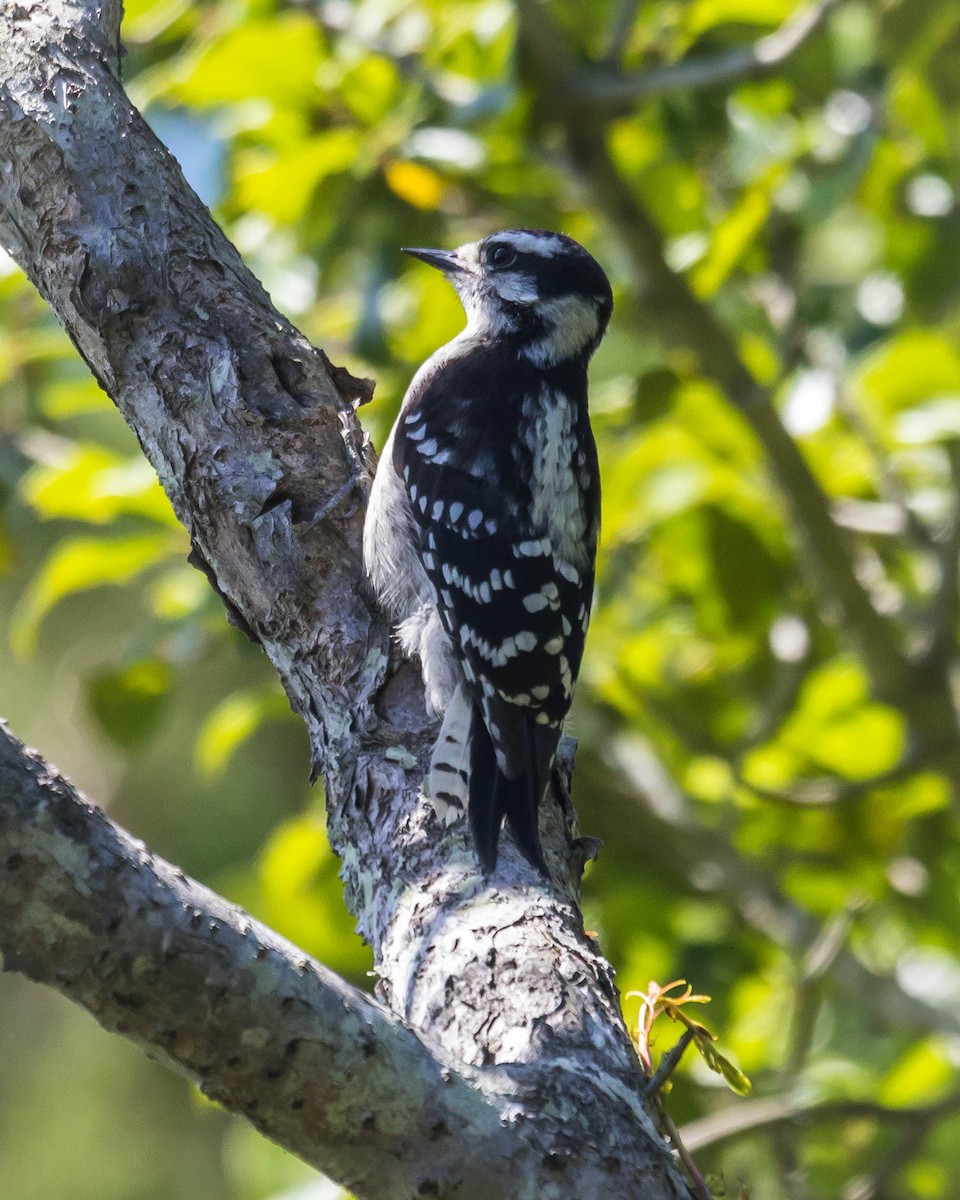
464 774
494 796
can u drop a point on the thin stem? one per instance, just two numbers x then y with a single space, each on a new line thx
669 1063
759 1116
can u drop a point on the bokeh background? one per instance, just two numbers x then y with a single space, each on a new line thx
778 807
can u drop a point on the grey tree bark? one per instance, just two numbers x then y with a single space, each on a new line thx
499 1064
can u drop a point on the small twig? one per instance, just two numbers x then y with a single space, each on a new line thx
669 1063
700 1189
336 500
607 90
808 993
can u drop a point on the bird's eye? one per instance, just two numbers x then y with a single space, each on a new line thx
502 256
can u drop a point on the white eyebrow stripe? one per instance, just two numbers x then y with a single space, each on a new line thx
532 243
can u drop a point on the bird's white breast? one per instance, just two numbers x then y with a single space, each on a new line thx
557 502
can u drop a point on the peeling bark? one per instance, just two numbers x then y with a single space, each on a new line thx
254 438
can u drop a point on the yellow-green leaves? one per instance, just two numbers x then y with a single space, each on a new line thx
128 702
79 564
924 1073
914 368
234 720
273 58
300 894
836 727
658 1001
89 483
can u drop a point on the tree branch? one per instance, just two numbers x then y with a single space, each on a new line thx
314 1063
253 435
612 91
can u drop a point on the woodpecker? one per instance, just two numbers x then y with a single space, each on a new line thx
481 532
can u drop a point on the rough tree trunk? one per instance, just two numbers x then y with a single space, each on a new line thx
519 1060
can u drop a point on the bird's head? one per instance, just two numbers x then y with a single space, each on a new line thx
542 288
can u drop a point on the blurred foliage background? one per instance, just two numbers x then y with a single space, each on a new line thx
769 739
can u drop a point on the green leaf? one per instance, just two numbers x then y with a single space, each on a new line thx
922 1074
129 702
301 895
88 483
905 370
77 565
282 185
705 14
732 237
231 723
733 1076
275 59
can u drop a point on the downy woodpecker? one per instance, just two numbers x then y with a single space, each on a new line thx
481 533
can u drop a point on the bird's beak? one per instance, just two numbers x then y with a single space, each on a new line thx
444 260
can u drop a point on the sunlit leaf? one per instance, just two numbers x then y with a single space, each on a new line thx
735 233
702 15
129 702
78 564
302 896
921 1075
415 183
283 183
91 484
231 723
276 58
913 367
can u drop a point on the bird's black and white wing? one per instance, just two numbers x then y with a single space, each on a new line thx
512 586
